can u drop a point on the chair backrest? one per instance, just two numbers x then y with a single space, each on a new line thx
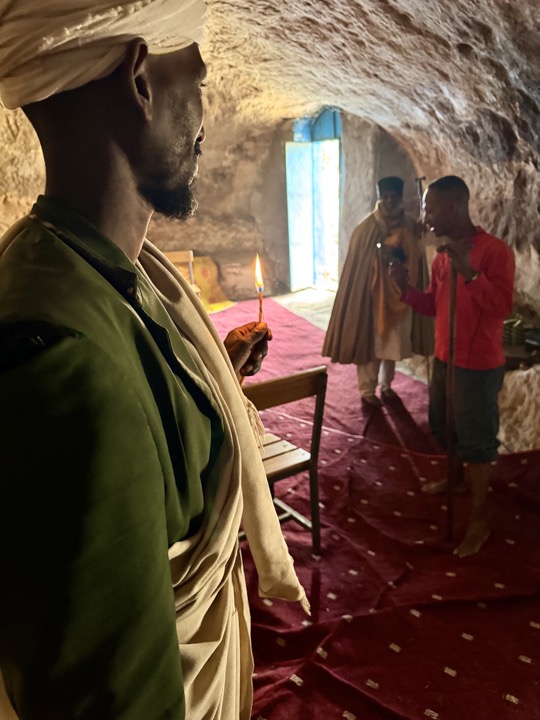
287 389
183 261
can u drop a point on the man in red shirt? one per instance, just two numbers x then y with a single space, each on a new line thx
484 295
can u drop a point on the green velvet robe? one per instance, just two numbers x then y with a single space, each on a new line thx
108 442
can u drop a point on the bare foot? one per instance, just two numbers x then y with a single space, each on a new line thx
475 536
440 486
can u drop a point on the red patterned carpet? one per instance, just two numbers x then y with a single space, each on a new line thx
400 627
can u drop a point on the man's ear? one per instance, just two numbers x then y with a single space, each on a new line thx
136 76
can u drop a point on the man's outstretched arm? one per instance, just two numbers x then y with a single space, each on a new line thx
422 302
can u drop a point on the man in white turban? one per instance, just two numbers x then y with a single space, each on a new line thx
129 453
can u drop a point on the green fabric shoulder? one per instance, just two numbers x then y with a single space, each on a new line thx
43 279
87 619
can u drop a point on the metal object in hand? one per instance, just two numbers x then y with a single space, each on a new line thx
391 255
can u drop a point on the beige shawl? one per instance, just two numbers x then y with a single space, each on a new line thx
211 602
350 337
385 294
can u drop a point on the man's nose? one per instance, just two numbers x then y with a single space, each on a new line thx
202 135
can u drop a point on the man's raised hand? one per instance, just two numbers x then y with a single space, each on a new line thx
247 346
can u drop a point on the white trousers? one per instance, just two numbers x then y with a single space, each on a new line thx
375 372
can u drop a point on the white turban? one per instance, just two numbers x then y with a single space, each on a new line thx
48 46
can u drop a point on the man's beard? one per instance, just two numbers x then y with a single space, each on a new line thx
178 203
393 213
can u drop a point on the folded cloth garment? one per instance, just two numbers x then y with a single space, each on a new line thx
49 47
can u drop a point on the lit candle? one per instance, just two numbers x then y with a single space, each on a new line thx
259 285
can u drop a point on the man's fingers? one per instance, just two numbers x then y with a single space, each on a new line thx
247 346
254 362
258 332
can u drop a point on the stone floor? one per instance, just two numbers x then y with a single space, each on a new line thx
312 304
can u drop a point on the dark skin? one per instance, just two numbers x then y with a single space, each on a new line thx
118 149
446 214
246 357
390 202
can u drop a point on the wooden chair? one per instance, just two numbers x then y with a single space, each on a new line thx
183 262
281 458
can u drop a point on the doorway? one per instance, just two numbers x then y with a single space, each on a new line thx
313 162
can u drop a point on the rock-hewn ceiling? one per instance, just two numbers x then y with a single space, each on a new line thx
401 63
458 82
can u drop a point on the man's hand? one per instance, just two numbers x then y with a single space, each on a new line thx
459 253
247 346
400 275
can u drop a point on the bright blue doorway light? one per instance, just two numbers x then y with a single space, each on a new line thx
313 192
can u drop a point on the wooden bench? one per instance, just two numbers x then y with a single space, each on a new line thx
281 458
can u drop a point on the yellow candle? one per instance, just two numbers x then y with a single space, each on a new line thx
259 285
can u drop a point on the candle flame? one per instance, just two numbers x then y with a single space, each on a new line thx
258 275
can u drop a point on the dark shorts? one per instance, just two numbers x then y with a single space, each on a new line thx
475 408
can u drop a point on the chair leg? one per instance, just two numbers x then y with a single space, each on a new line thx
315 517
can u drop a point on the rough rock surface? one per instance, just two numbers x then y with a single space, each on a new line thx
520 410
21 167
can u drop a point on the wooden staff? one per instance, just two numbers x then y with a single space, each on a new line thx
420 190
451 467
421 263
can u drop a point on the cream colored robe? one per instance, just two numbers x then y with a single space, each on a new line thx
213 619
350 337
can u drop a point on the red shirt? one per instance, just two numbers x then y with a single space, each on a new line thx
481 304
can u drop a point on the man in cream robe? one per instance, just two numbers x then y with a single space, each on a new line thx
369 325
129 453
